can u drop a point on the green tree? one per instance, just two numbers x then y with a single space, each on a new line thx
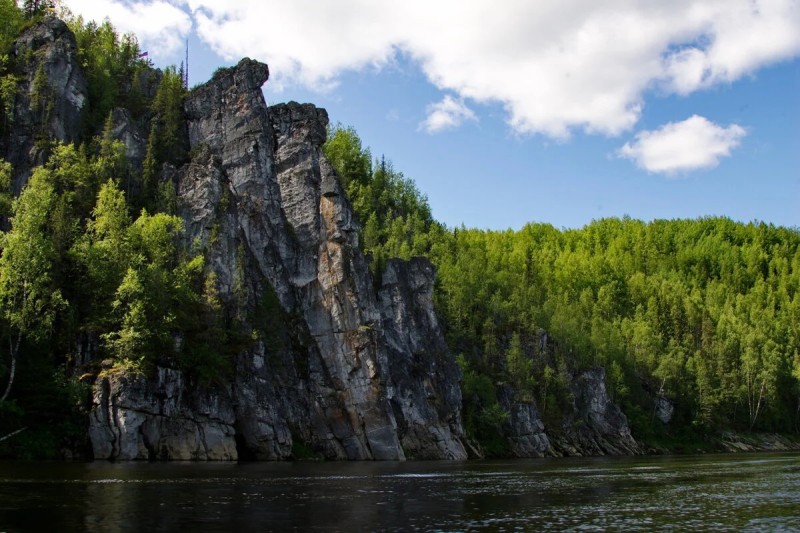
166 142
6 198
520 369
112 67
104 256
13 19
36 8
351 160
28 298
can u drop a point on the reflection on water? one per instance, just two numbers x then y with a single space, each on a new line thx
725 492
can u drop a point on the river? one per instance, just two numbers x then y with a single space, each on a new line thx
744 492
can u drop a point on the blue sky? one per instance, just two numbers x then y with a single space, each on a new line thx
509 112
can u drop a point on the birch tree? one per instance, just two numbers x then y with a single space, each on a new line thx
28 299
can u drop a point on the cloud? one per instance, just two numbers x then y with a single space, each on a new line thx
449 113
160 26
692 144
555 65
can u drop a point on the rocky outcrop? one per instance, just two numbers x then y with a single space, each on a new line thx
664 409
334 366
425 393
127 131
596 426
161 418
52 94
524 428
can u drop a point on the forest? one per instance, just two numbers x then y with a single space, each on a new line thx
704 313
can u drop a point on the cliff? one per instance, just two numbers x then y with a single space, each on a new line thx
336 364
342 371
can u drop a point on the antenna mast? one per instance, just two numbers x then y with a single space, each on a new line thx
186 70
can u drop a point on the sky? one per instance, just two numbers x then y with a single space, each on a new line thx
505 112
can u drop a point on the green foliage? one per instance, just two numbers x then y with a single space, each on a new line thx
6 198
8 93
151 303
166 142
79 234
483 415
41 104
29 299
144 302
703 309
208 343
353 162
112 66
37 8
54 414
168 110
13 19
520 369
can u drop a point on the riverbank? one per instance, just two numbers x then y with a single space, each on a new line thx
724 442
730 441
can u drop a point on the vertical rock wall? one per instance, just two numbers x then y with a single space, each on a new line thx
340 369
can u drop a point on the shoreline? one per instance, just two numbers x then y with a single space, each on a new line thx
727 442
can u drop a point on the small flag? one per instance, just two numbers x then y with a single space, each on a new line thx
143 54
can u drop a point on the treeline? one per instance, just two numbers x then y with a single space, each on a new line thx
93 263
705 313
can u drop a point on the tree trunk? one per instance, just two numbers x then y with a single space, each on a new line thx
12 434
754 415
13 349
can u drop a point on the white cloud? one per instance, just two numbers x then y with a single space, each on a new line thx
160 26
449 113
692 144
555 65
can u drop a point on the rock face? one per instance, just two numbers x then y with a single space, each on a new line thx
524 428
51 97
126 130
596 426
336 366
160 419
664 409
426 398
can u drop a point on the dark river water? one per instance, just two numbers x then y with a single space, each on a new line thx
699 493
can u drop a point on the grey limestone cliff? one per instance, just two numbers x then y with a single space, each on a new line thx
339 368
52 94
425 379
524 428
596 426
